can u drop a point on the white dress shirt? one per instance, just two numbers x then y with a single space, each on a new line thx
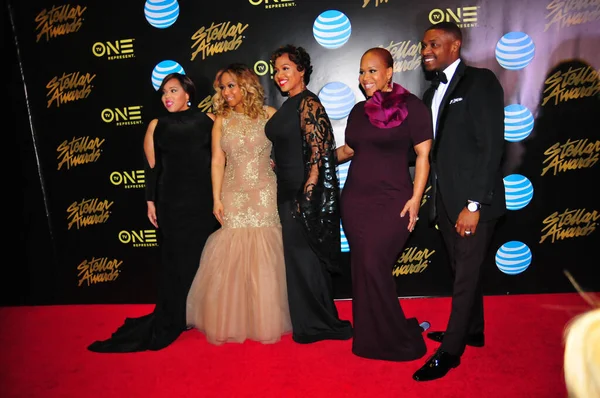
440 92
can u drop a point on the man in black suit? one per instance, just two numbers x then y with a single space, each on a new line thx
468 196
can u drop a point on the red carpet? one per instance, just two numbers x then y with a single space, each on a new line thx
44 355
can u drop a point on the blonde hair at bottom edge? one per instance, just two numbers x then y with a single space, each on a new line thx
582 355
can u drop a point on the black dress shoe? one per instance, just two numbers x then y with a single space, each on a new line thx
473 340
437 366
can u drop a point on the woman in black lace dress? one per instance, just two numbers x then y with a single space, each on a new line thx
178 194
307 198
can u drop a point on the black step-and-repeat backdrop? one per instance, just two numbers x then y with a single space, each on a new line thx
90 71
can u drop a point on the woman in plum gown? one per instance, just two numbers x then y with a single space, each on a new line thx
380 204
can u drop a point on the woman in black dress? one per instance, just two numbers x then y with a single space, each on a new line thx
178 194
307 200
380 204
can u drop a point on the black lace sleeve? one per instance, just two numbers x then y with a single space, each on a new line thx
318 200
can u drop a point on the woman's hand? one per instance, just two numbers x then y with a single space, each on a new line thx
344 153
152 213
219 211
412 208
311 183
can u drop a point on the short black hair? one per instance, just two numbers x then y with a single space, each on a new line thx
382 53
448 27
188 85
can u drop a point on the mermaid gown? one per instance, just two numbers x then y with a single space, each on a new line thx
239 291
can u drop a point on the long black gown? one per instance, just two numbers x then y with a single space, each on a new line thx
183 198
375 192
312 309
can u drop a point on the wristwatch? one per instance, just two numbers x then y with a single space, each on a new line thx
473 206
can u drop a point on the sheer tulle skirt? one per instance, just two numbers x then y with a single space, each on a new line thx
239 291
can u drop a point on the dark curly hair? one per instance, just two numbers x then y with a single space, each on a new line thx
297 55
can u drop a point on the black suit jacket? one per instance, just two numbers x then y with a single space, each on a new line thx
468 147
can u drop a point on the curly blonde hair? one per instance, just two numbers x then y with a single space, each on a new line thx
253 93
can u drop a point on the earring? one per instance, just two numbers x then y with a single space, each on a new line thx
189 103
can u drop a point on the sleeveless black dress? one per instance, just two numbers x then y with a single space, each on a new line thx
180 185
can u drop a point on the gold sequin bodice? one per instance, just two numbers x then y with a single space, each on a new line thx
249 191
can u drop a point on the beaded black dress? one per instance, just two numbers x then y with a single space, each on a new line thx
302 136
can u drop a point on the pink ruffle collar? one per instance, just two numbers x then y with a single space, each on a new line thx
387 109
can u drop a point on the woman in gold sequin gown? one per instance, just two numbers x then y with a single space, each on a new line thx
239 291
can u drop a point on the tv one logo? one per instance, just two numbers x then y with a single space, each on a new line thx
114 49
269 2
134 178
146 237
121 116
261 68
462 16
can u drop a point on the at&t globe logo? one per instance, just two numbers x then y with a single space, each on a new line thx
163 69
161 13
345 247
338 100
518 191
342 173
518 122
513 257
515 50
332 29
